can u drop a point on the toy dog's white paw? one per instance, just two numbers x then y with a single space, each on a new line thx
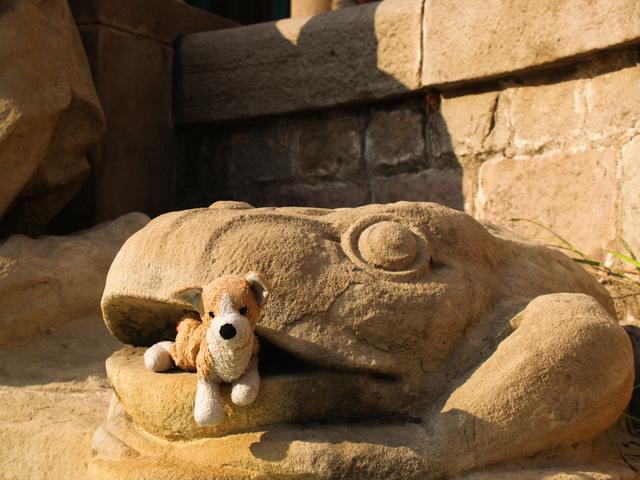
207 417
157 357
208 409
243 394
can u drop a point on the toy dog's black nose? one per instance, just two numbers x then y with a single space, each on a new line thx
227 331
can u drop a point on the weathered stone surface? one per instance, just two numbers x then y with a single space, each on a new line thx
259 152
395 137
556 190
542 115
282 399
614 101
462 125
48 120
54 394
329 145
51 280
413 303
460 47
354 54
432 185
630 193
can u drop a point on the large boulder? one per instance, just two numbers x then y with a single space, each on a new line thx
49 113
50 280
451 347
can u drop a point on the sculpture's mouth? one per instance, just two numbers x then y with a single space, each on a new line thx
293 390
278 361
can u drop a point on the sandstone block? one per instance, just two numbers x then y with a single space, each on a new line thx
51 280
545 114
259 152
395 137
460 47
346 56
467 125
441 186
630 194
329 145
573 194
614 101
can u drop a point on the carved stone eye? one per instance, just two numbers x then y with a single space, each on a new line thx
243 310
384 246
388 245
211 314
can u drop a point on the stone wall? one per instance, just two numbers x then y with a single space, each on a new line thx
536 118
338 158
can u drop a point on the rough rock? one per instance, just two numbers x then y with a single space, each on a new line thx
49 113
47 281
451 343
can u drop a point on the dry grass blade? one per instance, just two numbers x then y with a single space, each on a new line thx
626 259
626 246
584 259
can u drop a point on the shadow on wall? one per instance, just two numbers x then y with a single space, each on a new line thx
374 151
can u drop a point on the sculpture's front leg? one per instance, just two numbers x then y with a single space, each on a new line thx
245 389
562 377
208 409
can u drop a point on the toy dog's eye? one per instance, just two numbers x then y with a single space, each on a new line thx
243 310
211 314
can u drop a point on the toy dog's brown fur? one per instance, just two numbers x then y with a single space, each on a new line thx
190 350
219 343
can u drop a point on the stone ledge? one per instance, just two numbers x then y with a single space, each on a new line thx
384 50
352 55
484 39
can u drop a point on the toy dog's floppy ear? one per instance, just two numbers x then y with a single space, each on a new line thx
191 296
258 286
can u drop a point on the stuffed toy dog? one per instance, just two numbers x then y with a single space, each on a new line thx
219 343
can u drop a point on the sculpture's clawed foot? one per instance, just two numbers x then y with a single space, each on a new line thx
158 357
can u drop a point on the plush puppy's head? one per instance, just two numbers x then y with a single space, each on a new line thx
229 306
